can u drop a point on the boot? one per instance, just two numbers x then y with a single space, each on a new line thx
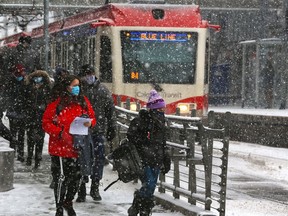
29 161
94 192
81 193
68 206
59 211
20 158
37 164
134 209
146 206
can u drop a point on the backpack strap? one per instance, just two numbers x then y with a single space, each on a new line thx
111 184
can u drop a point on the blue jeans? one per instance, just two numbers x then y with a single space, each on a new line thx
99 154
149 181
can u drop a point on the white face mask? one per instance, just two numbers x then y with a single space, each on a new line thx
90 79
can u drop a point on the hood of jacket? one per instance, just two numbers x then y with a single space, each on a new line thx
38 73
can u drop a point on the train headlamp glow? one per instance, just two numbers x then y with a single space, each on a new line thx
185 108
133 106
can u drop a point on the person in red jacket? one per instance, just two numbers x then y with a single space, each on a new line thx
56 121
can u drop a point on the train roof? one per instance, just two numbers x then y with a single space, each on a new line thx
132 15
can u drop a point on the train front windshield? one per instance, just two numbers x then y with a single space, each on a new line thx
159 57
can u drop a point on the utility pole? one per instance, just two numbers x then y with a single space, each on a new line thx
46 34
263 7
284 76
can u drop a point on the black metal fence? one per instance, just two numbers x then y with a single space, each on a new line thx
196 183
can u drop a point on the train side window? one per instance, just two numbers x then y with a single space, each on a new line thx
58 52
65 54
105 60
92 51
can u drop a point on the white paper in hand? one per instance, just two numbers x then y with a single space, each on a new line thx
77 126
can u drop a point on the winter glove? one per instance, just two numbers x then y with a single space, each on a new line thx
166 163
66 137
111 133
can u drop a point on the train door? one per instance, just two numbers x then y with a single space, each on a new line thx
103 55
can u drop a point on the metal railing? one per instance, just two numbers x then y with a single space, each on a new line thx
199 153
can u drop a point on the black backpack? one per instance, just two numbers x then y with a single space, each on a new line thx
126 162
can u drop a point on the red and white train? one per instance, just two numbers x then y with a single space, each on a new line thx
137 47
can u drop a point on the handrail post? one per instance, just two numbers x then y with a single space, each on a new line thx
224 170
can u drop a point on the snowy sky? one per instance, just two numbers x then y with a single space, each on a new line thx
32 196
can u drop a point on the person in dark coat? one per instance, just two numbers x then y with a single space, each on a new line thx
147 132
39 87
56 121
102 102
4 131
25 55
59 75
15 99
268 74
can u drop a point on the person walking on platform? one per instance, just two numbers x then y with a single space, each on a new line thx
59 75
268 74
4 131
56 121
102 102
15 100
147 132
25 55
39 87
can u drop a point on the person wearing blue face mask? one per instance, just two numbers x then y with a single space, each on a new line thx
56 121
15 94
39 87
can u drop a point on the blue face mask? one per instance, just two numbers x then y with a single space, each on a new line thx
38 79
75 90
90 79
19 78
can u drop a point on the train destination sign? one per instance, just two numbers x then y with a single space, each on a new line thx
159 36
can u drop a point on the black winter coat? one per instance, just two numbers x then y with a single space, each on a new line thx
37 96
148 133
28 57
103 106
15 98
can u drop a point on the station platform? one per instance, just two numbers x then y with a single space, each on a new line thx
262 126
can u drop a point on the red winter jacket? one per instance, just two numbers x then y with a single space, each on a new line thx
61 143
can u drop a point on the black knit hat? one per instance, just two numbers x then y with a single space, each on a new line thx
86 69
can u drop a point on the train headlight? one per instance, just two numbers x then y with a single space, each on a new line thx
133 106
184 108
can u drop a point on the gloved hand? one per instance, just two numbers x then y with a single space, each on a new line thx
165 168
111 133
66 137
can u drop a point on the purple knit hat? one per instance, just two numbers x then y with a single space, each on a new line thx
155 101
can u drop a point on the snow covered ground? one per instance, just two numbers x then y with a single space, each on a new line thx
255 172
248 162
